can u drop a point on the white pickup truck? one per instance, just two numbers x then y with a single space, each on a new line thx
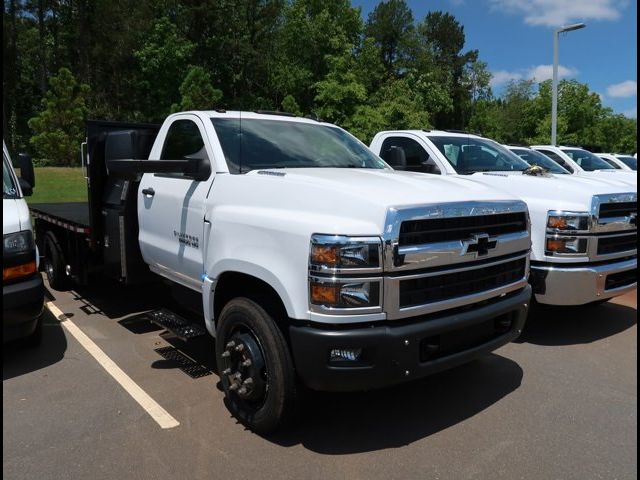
311 258
583 163
584 230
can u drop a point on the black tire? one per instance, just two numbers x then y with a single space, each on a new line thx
35 338
54 266
271 403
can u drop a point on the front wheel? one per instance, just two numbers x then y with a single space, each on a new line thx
255 365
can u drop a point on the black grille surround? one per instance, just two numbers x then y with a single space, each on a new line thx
617 244
621 209
448 286
620 279
419 232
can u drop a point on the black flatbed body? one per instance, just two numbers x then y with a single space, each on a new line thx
70 215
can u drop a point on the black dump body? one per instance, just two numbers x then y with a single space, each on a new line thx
101 234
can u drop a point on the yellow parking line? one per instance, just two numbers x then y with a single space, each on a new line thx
159 414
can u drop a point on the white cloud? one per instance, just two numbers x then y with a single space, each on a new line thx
539 73
631 113
626 89
503 76
555 13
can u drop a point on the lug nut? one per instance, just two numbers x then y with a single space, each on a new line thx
248 381
226 371
242 391
231 344
225 354
246 363
233 387
240 348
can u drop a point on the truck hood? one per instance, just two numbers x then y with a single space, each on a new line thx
15 215
348 201
557 192
617 177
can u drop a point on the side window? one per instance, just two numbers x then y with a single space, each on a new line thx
557 158
416 155
183 141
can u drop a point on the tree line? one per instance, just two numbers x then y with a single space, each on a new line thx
139 60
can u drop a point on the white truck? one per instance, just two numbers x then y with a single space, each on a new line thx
620 161
584 230
310 258
22 287
581 162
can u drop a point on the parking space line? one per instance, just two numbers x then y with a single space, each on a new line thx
159 414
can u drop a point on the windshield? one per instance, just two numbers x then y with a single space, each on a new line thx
587 160
9 189
536 158
471 154
630 162
261 144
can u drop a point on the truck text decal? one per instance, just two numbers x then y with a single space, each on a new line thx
186 239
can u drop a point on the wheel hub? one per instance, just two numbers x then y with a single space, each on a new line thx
243 367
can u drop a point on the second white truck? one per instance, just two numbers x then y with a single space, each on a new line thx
584 230
310 258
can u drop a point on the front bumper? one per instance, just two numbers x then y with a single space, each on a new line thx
394 354
563 284
22 305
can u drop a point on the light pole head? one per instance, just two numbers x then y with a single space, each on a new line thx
570 28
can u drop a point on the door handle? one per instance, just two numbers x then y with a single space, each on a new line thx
148 191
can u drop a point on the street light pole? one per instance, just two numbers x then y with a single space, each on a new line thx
554 93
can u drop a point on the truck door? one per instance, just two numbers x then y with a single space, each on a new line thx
171 207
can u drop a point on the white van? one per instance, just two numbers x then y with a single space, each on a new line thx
22 286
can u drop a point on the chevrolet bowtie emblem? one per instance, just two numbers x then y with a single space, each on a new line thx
480 244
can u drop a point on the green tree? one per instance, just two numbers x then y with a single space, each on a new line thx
58 128
163 57
390 25
197 92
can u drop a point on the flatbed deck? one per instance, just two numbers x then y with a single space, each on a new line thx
71 215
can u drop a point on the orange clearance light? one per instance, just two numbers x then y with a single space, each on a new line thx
324 294
555 245
19 271
325 254
557 222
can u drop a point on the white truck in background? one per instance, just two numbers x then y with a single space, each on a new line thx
583 163
310 258
584 230
22 286
620 161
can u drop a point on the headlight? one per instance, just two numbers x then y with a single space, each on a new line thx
566 245
576 222
335 253
335 293
17 243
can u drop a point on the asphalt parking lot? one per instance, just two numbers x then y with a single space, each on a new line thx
560 403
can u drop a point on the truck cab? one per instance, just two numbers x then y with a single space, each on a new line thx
620 162
584 230
22 286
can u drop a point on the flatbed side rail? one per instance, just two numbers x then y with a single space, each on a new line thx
67 225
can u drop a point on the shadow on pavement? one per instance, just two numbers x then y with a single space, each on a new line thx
551 326
18 359
339 424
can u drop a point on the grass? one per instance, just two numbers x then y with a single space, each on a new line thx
59 184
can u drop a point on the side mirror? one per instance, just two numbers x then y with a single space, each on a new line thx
27 189
26 170
396 158
430 166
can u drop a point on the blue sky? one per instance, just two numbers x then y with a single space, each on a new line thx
515 38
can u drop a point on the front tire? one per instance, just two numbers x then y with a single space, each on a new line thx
255 366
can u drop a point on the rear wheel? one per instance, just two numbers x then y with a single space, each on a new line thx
54 266
255 365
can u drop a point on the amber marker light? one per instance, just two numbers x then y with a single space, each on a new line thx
325 255
325 294
19 271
